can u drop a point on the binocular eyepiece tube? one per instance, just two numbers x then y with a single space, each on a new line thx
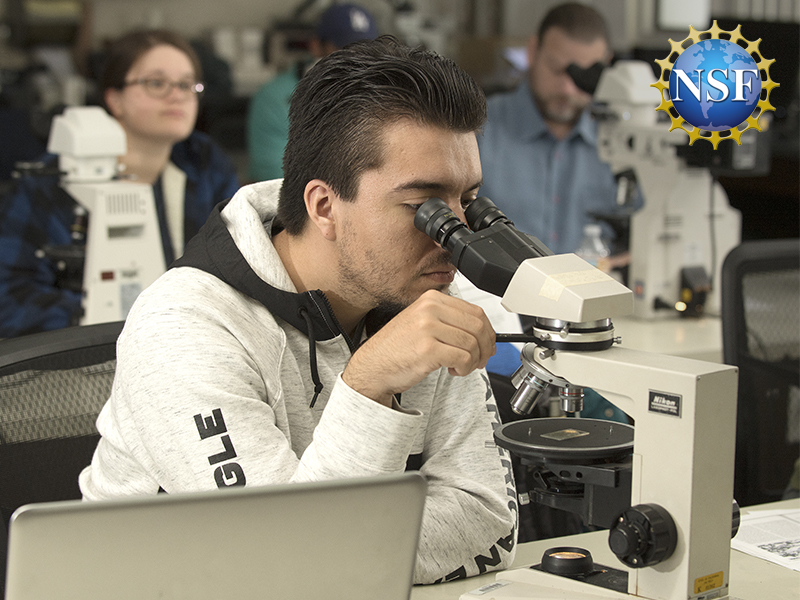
487 249
438 222
436 219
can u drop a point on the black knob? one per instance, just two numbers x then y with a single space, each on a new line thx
626 539
643 535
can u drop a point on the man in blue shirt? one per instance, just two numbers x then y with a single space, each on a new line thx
538 151
540 166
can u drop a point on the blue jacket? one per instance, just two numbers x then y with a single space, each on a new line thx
40 213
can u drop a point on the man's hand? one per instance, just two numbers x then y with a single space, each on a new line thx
436 331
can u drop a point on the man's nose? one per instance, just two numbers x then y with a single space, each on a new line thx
568 85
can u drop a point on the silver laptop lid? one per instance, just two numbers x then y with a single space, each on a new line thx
353 539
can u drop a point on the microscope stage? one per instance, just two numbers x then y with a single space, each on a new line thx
569 440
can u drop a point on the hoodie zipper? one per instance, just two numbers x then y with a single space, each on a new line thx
330 318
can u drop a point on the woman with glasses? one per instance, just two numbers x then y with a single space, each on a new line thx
151 84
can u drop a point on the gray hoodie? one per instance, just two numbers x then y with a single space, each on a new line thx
227 376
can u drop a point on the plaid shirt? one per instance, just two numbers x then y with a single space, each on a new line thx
40 213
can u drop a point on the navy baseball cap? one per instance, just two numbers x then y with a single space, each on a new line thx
343 24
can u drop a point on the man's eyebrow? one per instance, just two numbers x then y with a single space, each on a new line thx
433 186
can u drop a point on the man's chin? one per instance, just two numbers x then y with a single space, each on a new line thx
562 112
397 303
440 286
566 117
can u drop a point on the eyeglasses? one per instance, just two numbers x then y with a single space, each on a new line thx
161 88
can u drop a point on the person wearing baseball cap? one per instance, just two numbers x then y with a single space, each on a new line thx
268 113
343 24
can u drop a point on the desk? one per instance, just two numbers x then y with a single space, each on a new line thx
750 578
700 339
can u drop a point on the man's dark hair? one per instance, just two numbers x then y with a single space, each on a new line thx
578 21
341 107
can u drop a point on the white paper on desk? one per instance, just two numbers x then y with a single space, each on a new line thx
773 536
502 320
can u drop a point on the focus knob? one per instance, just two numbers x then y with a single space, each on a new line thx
626 539
643 535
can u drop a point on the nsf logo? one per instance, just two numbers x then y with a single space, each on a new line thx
715 85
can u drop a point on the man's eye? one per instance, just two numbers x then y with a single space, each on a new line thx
156 84
465 202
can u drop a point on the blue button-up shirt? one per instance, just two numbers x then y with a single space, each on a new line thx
547 187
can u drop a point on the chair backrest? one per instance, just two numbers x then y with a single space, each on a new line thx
52 387
761 336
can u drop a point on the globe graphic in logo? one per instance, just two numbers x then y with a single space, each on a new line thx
715 110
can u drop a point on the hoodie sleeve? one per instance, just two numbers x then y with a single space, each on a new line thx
470 521
202 398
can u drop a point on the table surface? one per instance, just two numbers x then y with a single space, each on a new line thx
750 578
700 339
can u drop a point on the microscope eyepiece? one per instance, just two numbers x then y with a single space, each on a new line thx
482 213
438 222
487 249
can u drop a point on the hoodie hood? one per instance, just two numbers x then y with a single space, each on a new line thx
214 251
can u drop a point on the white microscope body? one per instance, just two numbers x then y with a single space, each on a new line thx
684 435
686 220
123 242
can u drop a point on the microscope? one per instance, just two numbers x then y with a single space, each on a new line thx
662 487
686 227
122 253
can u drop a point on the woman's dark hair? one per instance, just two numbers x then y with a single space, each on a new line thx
125 51
341 107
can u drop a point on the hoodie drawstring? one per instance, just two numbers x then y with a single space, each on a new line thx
312 354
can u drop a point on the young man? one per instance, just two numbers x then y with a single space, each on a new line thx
308 334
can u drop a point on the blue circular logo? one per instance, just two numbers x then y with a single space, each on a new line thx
715 85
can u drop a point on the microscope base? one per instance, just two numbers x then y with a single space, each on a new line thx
519 584
530 582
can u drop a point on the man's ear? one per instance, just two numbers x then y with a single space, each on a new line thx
320 199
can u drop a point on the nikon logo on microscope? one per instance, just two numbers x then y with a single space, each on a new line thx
718 86
667 404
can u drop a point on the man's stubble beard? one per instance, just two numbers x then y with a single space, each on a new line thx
568 118
382 299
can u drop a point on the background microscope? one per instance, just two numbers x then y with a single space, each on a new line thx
117 244
680 236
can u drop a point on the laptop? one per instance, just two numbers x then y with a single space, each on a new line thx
353 539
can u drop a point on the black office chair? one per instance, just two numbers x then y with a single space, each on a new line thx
52 387
761 336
